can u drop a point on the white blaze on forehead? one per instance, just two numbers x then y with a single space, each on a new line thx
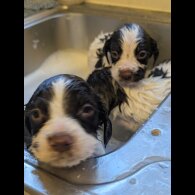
130 40
130 35
57 102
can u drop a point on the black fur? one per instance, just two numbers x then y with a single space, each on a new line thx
111 94
150 45
113 44
39 100
100 56
139 74
158 73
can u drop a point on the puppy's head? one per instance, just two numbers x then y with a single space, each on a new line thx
128 50
110 92
61 120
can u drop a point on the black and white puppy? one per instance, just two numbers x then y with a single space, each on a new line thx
127 50
63 115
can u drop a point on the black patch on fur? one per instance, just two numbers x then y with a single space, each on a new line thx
148 44
139 74
113 44
158 72
100 55
106 37
39 100
79 93
99 63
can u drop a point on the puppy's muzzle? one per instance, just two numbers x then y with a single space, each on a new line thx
129 75
60 142
125 73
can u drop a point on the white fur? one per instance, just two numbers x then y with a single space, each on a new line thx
143 99
95 45
84 145
56 107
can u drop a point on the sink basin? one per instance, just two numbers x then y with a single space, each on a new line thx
63 35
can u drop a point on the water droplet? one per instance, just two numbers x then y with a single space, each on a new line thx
35 43
78 176
163 165
167 109
132 181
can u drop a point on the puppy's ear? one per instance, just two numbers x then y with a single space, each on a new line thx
107 131
121 96
104 119
155 51
106 51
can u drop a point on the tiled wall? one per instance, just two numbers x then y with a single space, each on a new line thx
163 5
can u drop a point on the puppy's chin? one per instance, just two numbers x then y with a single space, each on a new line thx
62 161
131 82
83 147
67 159
125 83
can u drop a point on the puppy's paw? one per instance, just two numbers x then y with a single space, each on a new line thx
162 70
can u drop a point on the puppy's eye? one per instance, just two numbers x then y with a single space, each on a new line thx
86 111
114 54
142 54
36 115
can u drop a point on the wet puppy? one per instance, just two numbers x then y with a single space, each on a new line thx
127 51
63 115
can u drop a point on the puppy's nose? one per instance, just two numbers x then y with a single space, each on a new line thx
125 73
60 142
